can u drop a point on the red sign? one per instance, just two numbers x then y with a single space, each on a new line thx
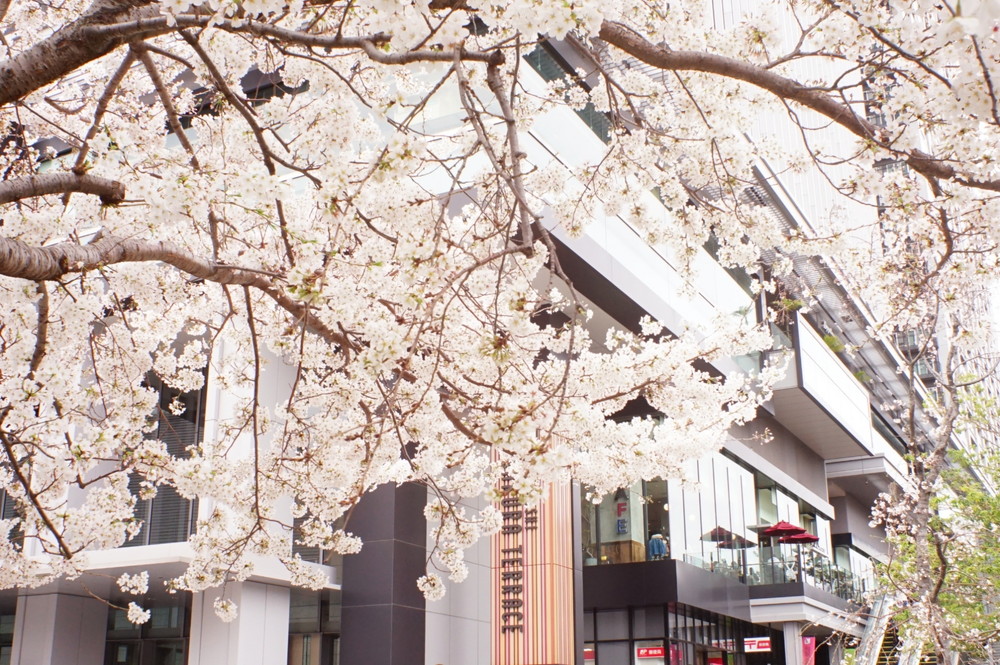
756 644
588 654
808 650
650 652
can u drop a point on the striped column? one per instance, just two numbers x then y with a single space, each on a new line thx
532 582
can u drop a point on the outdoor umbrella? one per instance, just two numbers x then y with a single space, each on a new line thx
718 535
782 529
799 538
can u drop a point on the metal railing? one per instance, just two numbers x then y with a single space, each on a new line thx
871 638
773 566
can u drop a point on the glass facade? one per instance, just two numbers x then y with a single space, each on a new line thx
8 511
673 633
160 641
547 62
712 514
861 566
169 517
314 627
714 519
6 633
706 520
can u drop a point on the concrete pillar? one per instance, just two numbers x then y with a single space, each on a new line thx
383 612
258 635
792 631
59 628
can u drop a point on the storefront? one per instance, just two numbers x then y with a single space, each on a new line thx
676 634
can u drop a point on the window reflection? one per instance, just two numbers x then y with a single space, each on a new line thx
672 634
160 641
713 520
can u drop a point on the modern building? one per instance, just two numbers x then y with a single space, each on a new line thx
661 572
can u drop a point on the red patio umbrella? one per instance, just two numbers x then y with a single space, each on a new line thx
799 538
782 529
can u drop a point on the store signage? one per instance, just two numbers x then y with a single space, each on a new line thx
532 578
650 652
756 644
516 520
808 650
589 654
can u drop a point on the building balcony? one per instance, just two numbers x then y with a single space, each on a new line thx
786 573
820 400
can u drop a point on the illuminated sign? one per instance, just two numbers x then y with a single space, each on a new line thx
650 652
756 644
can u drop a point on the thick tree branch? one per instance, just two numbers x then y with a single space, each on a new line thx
110 191
111 23
22 261
68 48
836 110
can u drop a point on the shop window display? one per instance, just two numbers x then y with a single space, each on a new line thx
672 634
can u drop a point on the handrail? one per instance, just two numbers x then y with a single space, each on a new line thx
874 633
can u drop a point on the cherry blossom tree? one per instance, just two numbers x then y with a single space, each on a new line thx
161 218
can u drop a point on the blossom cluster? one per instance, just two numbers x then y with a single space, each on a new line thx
358 258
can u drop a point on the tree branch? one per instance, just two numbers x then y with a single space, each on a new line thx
109 24
22 261
637 46
68 48
111 192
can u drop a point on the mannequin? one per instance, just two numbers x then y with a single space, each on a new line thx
656 549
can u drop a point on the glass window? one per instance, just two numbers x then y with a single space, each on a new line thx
331 611
588 531
160 641
8 511
612 625
788 507
675 622
692 521
683 655
168 652
123 653
616 527
648 622
166 621
613 653
767 505
657 520
6 635
588 625
650 652
710 523
169 517
313 627
303 611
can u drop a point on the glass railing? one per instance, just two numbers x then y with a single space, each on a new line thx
764 566
729 567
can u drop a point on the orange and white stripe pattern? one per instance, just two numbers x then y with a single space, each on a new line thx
532 582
